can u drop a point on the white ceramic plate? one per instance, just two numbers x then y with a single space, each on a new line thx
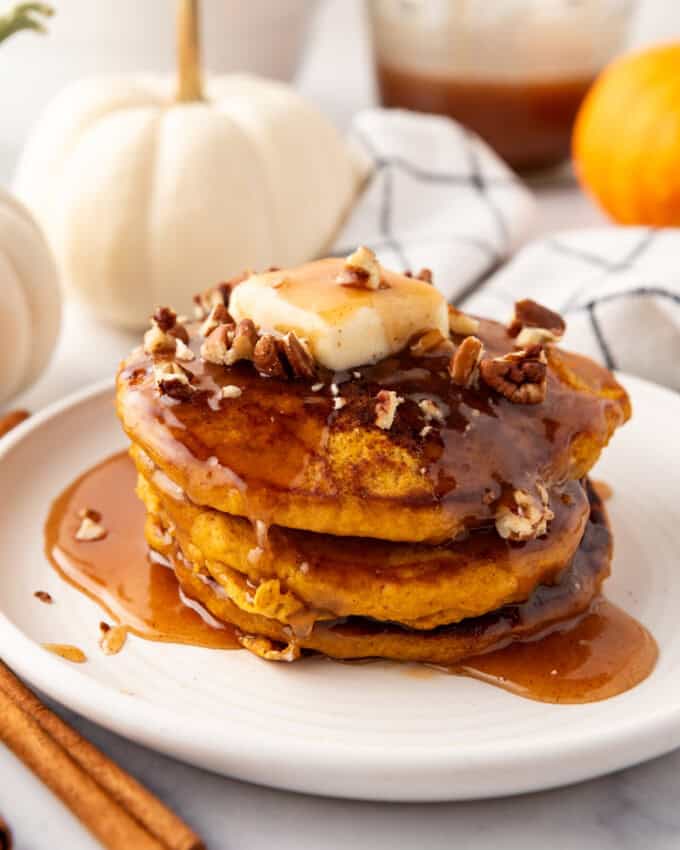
362 731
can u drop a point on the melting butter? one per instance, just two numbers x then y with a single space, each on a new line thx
345 326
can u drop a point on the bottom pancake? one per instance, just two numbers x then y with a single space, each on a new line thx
360 637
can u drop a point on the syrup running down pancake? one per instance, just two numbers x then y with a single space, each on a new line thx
359 637
287 455
300 576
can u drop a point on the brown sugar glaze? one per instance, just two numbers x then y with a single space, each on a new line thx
596 656
484 445
528 123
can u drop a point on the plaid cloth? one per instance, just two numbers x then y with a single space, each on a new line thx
439 197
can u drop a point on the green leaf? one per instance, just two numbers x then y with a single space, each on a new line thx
24 16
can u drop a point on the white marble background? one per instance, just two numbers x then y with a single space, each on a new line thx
636 809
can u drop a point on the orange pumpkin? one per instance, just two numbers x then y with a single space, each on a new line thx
626 142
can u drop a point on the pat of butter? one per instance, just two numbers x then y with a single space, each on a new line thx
344 326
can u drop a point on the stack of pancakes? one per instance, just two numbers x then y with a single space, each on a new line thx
290 510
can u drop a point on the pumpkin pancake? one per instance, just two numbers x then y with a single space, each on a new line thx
298 577
360 637
309 453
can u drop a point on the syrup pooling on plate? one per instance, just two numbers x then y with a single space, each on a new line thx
116 571
602 654
597 655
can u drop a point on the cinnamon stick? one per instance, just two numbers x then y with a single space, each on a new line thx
5 836
119 811
11 420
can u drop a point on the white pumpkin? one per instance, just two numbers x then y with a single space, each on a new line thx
30 304
147 198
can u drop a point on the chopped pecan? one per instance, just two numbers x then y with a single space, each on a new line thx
527 517
386 404
168 321
173 380
90 527
165 318
296 353
430 341
243 342
43 596
182 351
216 345
534 324
462 324
521 376
220 294
266 358
424 274
284 357
165 330
218 315
431 410
465 362
362 269
157 341
227 344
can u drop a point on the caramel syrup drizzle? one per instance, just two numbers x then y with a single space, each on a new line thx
593 657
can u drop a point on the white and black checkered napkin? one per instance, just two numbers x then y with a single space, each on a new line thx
439 197
617 287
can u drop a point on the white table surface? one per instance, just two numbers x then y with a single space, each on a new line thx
636 809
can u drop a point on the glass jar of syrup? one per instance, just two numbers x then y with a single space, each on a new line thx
514 71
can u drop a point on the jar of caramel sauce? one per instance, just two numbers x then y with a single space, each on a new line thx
513 71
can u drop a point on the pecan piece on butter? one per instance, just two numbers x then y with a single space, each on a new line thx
534 324
173 380
362 269
429 342
520 376
424 274
465 362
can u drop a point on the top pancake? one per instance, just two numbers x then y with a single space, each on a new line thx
283 454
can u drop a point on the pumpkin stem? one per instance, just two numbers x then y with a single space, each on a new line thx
24 16
189 82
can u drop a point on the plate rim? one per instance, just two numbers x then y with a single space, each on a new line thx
621 745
